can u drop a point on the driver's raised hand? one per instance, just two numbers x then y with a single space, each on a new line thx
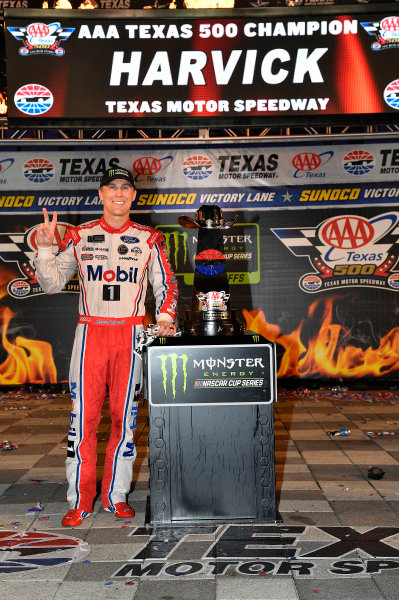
45 231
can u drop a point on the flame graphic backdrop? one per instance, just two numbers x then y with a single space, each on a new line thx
27 360
330 352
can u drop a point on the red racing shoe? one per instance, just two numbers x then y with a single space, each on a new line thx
74 517
121 510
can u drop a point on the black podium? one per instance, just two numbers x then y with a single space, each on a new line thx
211 433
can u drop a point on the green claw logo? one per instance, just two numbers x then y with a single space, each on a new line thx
256 338
175 360
176 235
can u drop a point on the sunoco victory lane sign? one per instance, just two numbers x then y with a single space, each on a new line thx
187 67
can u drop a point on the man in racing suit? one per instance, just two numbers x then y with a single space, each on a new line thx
114 257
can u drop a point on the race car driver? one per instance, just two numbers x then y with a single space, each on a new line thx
115 258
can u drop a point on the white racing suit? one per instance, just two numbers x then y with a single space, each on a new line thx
113 267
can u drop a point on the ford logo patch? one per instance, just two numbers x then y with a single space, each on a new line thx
129 240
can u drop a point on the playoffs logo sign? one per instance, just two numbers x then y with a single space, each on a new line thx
347 250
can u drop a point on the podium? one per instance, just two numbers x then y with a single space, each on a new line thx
211 437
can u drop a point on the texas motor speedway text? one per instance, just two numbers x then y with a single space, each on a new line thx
216 106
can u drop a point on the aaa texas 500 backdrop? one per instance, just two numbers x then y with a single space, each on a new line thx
312 258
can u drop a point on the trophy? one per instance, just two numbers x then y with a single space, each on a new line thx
210 312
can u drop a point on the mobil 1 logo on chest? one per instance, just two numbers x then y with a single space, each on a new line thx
111 290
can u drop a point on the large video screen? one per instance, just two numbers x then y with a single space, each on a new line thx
204 68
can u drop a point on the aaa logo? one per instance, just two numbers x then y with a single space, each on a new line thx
348 232
41 38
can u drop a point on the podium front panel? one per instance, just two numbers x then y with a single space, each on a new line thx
211 444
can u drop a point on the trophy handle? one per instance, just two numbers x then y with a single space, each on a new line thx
231 222
188 222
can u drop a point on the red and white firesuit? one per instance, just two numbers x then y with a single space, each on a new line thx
113 267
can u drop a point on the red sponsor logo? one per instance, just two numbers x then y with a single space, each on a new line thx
358 157
84 319
311 283
38 30
347 232
210 255
147 165
390 24
306 161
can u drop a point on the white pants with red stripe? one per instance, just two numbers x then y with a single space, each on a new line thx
102 357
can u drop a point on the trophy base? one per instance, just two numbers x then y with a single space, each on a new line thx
212 323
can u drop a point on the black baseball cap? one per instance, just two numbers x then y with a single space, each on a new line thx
117 173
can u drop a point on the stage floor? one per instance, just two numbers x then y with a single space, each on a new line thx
338 536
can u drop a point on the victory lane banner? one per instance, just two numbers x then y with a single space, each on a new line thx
184 176
234 66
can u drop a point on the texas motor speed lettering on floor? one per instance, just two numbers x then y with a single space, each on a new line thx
255 550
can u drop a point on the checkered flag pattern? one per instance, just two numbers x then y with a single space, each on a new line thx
306 242
14 248
301 242
371 27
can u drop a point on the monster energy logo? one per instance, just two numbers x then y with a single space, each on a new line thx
255 338
177 361
175 236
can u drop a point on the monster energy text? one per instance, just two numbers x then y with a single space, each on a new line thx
228 363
